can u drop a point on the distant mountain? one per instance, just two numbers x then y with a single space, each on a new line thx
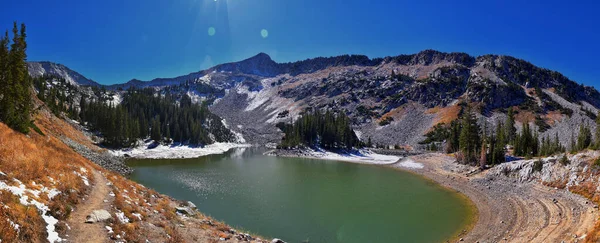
393 100
49 68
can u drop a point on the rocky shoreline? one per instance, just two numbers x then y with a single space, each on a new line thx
510 209
102 158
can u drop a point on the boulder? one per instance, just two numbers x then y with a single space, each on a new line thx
277 241
191 205
185 210
98 216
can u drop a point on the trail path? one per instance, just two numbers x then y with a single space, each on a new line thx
84 232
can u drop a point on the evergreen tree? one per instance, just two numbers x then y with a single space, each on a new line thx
15 102
156 135
483 154
469 140
498 145
327 130
584 139
510 130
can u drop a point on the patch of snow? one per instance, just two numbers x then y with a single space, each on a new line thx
122 218
410 164
362 156
42 208
83 178
137 215
196 96
110 230
358 134
176 151
239 138
14 225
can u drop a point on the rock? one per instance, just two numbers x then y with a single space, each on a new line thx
185 210
98 216
277 241
191 205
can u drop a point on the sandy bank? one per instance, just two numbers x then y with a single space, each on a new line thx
509 210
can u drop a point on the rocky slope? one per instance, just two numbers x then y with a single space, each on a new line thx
48 68
393 100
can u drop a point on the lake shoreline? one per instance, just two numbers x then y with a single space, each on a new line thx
501 206
504 207
405 164
151 150
361 156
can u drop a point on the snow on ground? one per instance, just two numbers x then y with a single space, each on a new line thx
147 151
361 156
410 164
21 190
239 138
122 218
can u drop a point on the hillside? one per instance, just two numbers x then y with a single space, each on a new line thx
49 189
393 100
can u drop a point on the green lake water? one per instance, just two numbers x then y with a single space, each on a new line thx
301 200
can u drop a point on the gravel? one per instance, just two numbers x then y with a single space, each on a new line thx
104 159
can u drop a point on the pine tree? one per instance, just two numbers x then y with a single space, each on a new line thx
498 145
511 131
469 140
584 138
156 135
483 154
16 103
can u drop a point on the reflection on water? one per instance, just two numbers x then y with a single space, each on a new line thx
298 199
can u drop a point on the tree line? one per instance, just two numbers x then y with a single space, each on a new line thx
147 113
477 145
15 83
316 129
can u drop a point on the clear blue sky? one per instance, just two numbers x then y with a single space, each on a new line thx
113 41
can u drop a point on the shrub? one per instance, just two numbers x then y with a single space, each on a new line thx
538 165
597 162
564 160
386 121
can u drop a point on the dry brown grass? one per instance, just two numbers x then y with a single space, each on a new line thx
31 226
394 113
553 116
524 116
39 161
49 124
444 114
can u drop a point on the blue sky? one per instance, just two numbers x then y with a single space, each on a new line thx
113 41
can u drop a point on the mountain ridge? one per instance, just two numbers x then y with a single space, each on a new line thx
260 60
394 100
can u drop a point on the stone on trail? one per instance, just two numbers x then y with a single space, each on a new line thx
98 216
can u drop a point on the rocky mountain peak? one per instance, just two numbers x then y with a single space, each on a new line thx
260 65
37 69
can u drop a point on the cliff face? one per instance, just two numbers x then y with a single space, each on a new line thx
413 92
